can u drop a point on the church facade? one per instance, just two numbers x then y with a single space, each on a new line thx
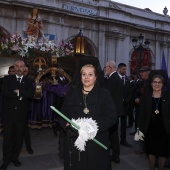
109 27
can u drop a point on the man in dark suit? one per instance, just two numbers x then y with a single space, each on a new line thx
17 93
127 94
115 86
11 71
141 87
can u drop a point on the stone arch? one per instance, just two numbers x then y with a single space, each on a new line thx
90 48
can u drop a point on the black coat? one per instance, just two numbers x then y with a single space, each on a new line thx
1 83
102 109
127 91
115 86
133 88
145 111
142 86
11 101
127 95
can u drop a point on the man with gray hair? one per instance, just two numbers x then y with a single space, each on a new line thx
115 86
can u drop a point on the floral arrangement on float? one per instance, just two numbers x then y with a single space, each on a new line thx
26 47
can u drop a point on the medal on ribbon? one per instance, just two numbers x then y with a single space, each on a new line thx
85 110
156 103
156 111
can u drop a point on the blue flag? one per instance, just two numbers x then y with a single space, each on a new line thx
163 67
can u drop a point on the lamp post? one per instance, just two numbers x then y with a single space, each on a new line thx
80 44
141 54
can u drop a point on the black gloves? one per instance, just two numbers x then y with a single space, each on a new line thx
71 132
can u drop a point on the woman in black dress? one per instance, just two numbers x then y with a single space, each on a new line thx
88 100
154 122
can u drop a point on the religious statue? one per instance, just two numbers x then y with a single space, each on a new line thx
34 24
38 91
53 60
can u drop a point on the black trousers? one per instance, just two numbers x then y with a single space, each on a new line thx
114 140
12 140
130 113
123 121
136 116
27 138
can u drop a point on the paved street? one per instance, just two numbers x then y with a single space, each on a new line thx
45 157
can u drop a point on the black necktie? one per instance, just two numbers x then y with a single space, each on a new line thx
123 80
19 80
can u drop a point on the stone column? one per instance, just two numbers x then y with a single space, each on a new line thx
109 47
119 48
164 48
168 60
156 65
101 45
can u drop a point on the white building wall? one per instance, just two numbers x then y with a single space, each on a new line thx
111 29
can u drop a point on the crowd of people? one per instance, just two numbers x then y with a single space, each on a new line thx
129 96
99 103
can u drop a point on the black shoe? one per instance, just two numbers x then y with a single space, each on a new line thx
30 151
3 166
125 143
17 163
116 160
133 133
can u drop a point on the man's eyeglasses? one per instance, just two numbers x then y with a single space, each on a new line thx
107 66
